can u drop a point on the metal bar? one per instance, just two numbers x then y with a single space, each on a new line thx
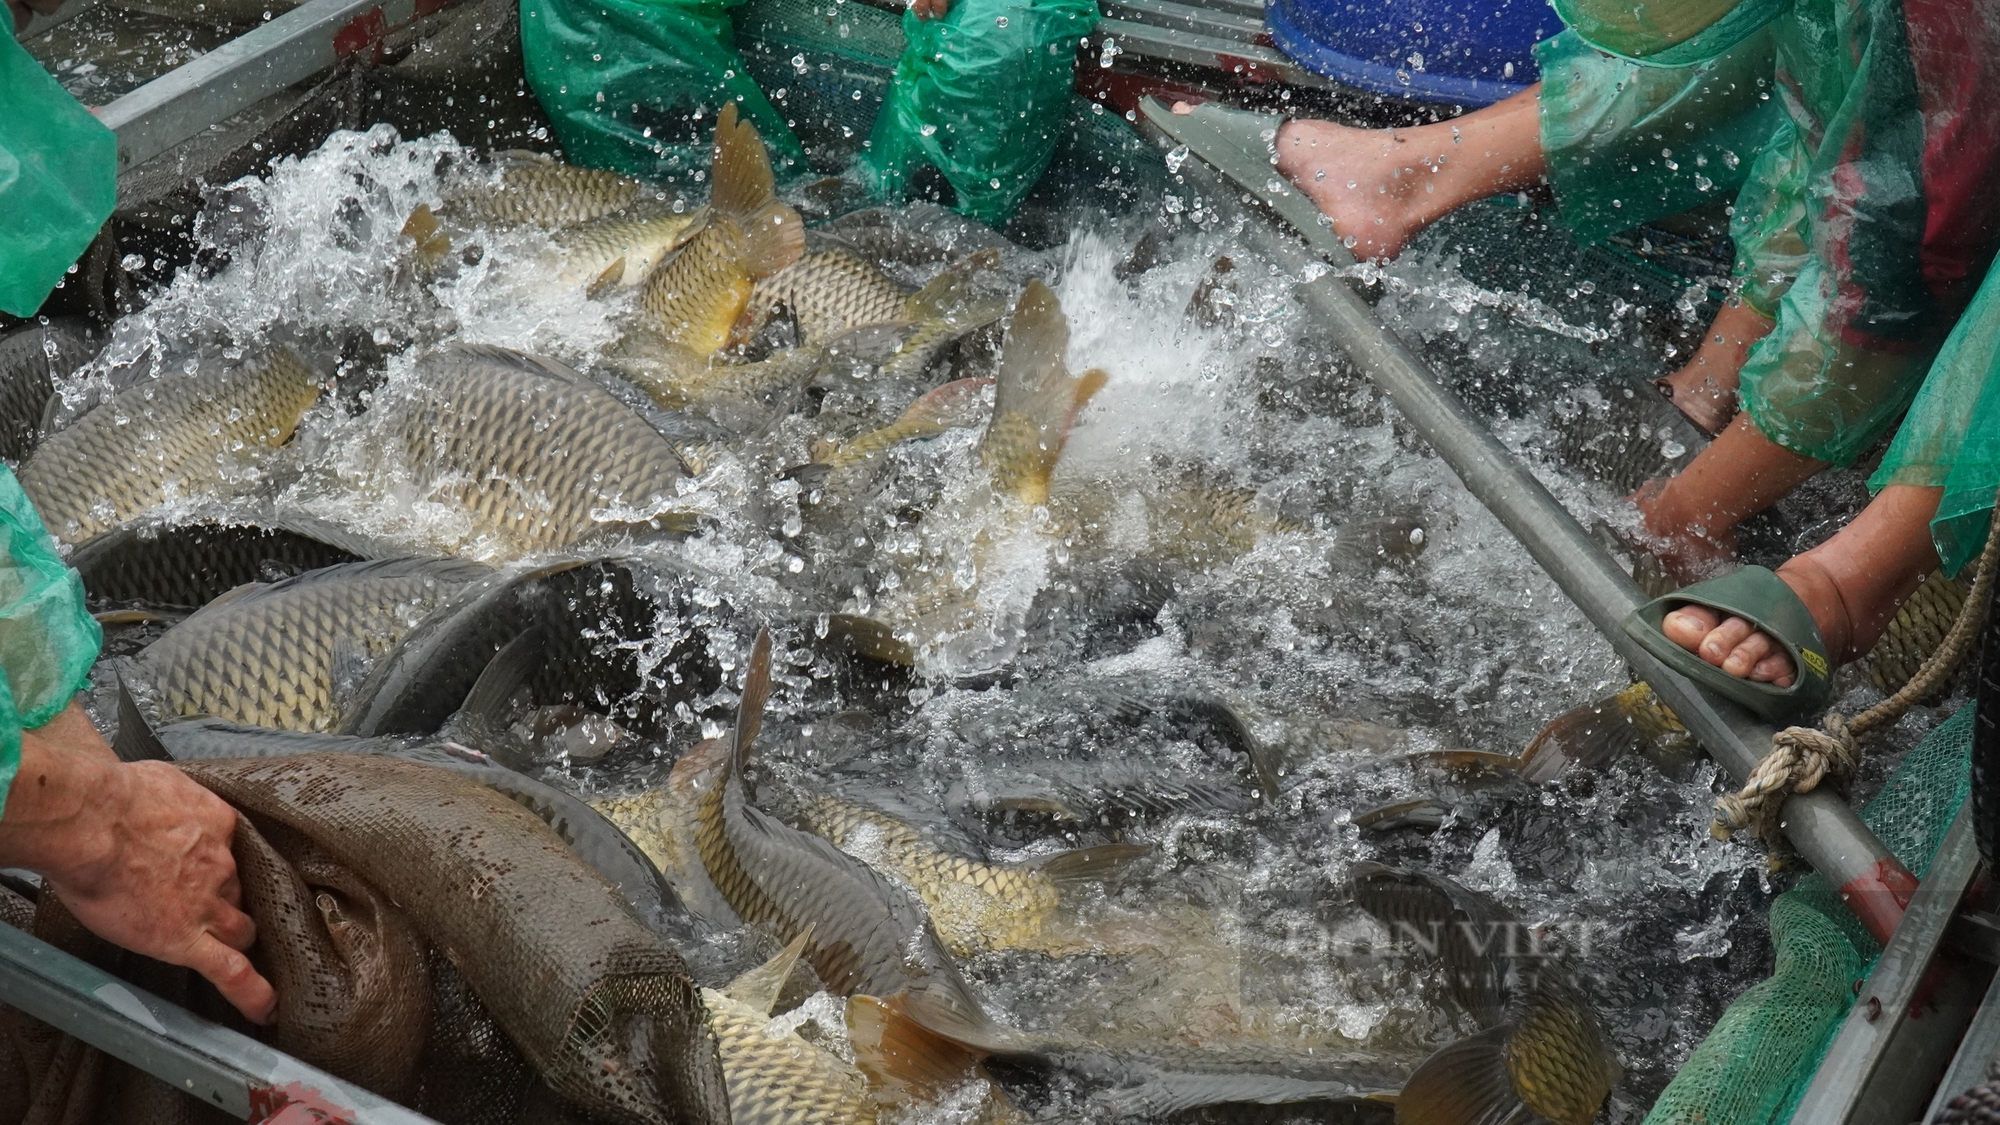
1975 1053
1219 23
40 23
233 77
1819 824
1246 60
232 1072
1858 1080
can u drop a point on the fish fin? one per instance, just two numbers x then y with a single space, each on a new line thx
871 638
608 281
1036 399
1465 1083
773 238
811 476
1462 929
896 1051
482 713
428 233
1100 864
947 293
741 173
1589 736
750 712
135 741
945 407
758 988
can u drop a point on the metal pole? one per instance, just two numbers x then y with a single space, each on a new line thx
236 1074
240 73
1819 824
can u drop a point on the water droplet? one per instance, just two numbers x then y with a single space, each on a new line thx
1671 449
1176 158
1000 21
133 262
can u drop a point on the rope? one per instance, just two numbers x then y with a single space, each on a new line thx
1802 757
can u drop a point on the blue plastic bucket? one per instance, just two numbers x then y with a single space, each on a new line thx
1467 52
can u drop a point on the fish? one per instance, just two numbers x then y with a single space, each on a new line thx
1624 435
974 905
1540 1053
531 188
866 936
696 297
829 292
742 398
537 455
1418 812
842 467
290 654
32 357
619 251
662 822
1036 399
1632 718
783 1078
187 564
164 439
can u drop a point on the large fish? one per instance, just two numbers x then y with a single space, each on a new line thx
1036 399
186 565
164 439
291 654
32 357
536 454
1540 1055
778 1077
696 298
597 255
865 935
531 188
974 905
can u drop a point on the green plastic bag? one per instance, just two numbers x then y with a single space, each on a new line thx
58 180
634 85
48 639
1951 437
981 95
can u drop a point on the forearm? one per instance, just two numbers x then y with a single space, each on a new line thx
53 815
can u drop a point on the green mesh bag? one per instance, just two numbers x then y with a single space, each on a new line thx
983 96
1951 437
634 85
58 180
1758 1059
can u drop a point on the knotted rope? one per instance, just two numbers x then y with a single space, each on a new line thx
1802 757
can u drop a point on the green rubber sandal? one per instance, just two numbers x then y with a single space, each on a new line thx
1760 597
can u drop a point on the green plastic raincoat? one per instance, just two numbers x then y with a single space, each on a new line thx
1951 437
58 179
48 639
1857 135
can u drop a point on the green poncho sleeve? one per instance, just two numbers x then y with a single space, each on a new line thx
48 640
1951 437
58 179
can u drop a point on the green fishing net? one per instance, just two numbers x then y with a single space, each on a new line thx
983 96
58 180
634 85
1760 1056
1951 437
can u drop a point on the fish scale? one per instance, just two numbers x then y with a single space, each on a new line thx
532 188
272 656
530 449
102 469
830 292
782 1079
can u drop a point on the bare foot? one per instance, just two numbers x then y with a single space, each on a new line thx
1369 181
1733 645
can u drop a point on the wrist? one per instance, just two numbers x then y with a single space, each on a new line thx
57 818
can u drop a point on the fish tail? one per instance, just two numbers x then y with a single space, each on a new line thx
1589 736
1463 1083
428 233
773 237
1036 399
741 173
897 1052
1090 865
482 715
758 988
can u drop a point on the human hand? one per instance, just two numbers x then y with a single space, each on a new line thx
930 9
137 852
